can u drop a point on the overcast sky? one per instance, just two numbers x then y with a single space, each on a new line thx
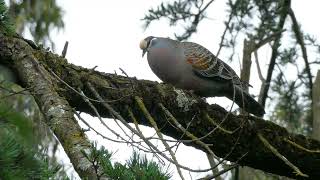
107 34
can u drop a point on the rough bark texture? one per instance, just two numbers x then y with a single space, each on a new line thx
316 107
57 111
51 94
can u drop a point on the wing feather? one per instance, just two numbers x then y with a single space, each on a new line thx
207 65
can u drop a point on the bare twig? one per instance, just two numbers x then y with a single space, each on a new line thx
205 7
190 135
132 86
263 96
65 49
97 132
258 67
301 147
280 156
224 34
155 126
214 176
300 39
268 39
98 115
218 125
194 138
12 92
212 163
118 116
131 115
79 93
132 142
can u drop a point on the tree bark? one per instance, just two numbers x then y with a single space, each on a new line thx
316 107
18 55
55 99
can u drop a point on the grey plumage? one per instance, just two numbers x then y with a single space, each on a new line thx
190 66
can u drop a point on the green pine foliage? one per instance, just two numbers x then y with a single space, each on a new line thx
6 25
37 17
176 11
18 158
136 168
145 169
187 13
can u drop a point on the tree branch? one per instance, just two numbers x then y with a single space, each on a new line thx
54 97
300 40
57 111
264 93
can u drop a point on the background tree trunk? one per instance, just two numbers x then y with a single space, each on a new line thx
316 107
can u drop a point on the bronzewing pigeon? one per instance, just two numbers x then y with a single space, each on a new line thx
190 66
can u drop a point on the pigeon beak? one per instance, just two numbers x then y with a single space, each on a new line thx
144 52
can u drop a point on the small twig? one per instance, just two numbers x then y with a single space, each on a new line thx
300 147
131 115
12 92
300 40
132 142
205 7
118 116
267 40
77 92
280 156
65 49
98 115
155 126
130 79
258 67
94 68
224 34
213 164
283 14
224 118
262 79
194 138
97 132
218 125
213 176
190 135
124 132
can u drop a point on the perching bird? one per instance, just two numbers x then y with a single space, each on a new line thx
190 66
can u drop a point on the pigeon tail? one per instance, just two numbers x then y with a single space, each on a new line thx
246 102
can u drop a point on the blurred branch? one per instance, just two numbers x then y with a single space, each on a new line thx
284 12
38 18
316 108
227 26
256 57
251 46
300 39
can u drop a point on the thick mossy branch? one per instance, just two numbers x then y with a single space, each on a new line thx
58 114
188 109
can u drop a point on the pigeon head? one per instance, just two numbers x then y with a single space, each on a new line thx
145 44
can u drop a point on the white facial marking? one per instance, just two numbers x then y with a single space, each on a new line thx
143 44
